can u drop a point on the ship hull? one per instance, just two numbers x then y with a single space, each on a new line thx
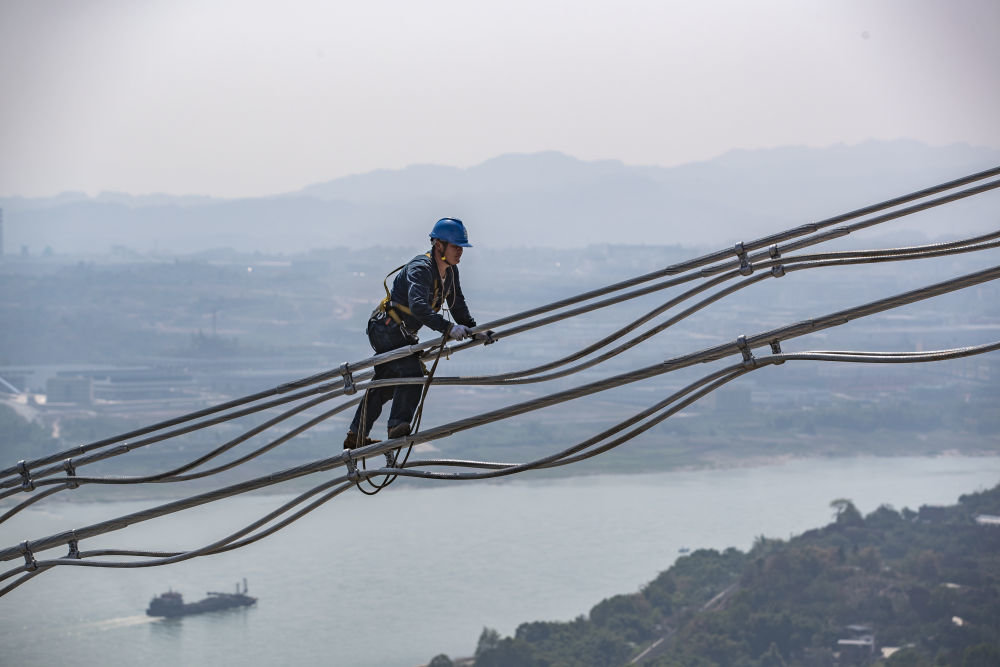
172 608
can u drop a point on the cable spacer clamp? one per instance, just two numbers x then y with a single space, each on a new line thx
746 268
74 547
748 359
778 270
773 252
352 469
70 472
776 349
26 483
349 387
30 563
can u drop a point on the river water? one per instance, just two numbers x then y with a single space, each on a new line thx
415 571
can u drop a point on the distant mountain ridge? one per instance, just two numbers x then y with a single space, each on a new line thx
539 199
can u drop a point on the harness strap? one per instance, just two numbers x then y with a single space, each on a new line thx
389 308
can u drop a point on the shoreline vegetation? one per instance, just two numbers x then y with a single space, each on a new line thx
892 588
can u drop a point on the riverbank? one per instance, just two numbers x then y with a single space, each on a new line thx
638 457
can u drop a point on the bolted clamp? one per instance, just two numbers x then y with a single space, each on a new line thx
777 270
749 360
30 563
74 546
349 387
352 469
70 472
746 268
26 483
776 349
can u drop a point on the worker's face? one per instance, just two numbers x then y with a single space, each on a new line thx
453 253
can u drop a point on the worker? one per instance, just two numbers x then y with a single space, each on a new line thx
418 292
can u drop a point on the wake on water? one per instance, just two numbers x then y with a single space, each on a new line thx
123 622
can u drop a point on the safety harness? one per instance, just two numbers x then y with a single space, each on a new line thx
392 309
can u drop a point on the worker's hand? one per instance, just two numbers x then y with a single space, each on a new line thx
458 332
486 336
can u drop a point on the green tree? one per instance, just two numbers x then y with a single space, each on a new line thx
908 657
507 653
488 639
981 655
845 513
772 658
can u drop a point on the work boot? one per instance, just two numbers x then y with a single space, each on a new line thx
399 430
351 441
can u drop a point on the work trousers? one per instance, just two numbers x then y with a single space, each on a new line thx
384 337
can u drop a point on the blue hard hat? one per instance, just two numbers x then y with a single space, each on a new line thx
451 230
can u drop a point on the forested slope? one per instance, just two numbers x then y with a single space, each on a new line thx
925 583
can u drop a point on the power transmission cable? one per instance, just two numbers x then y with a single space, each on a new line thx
671 270
27 475
875 255
788 263
743 345
703 387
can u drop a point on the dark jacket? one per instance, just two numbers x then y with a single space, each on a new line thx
417 284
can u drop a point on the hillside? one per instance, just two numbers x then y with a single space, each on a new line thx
521 200
921 587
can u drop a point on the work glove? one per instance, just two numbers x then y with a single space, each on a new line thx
458 332
486 336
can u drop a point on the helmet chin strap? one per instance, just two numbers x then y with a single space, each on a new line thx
445 248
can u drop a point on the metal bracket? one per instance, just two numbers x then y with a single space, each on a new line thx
349 387
777 270
70 472
746 268
30 563
352 469
74 547
22 470
748 359
776 349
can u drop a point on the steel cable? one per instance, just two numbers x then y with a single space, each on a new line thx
709 354
802 230
850 257
789 263
714 276
704 386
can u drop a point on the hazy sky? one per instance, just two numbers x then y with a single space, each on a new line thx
247 97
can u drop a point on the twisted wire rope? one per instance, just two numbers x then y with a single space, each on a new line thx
725 270
718 256
788 263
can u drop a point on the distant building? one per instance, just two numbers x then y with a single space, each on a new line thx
69 389
858 646
142 384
